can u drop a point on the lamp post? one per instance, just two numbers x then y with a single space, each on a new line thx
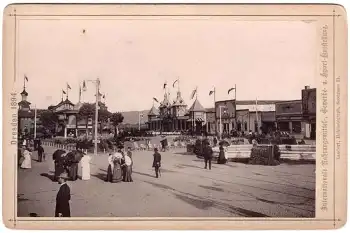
220 107
97 83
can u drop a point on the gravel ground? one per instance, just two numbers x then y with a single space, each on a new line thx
185 189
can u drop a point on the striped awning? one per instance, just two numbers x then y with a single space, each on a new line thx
199 119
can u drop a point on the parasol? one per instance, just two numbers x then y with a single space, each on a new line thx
58 154
75 156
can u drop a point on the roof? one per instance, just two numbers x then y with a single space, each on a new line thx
165 102
179 101
24 92
259 107
210 109
24 103
197 107
153 111
25 114
251 102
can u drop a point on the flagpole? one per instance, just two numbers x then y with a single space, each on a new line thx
24 82
67 91
256 111
215 110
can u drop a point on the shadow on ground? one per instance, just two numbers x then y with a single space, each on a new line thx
205 203
50 176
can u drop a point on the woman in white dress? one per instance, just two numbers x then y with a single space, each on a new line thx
85 167
27 162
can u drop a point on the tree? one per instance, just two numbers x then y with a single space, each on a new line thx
49 120
103 116
86 111
116 118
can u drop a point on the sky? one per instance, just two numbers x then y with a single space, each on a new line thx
133 59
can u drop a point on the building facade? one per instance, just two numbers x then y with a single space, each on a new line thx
298 117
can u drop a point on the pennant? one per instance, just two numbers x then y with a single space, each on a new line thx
193 93
26 78
64 92
175 82
229 90
164 85
84 86
68 86
211 92
155 100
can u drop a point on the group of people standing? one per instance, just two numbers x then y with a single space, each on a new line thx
120 166
68 162
208 155
25 154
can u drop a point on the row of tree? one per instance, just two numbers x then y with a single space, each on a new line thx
49 119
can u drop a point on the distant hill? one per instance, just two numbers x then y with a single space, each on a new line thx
132 117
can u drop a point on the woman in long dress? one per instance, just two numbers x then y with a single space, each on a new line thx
110 168
117 171
222 158
127 169
27 162
85 167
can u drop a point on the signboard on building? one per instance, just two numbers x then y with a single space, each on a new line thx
309 101
288 108
228 109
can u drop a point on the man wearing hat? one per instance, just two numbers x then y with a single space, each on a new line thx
63 197
207 154
156 161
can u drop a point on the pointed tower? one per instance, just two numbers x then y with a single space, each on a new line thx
24 104
179 105
164 105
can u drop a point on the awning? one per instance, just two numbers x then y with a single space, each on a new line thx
196 119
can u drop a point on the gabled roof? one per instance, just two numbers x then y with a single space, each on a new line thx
153 111
197 107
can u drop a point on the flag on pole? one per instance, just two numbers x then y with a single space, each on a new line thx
84 86
175 82
164 85
231 89
211 92
155 99
193 93
68 87
64 92
26 78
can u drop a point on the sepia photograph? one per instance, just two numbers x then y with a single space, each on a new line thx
166 117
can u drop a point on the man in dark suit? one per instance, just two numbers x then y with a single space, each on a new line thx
63 197
40 152
156 161
207 154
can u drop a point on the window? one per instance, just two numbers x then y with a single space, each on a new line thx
239 126
283 126
296 127
245 126
256 126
